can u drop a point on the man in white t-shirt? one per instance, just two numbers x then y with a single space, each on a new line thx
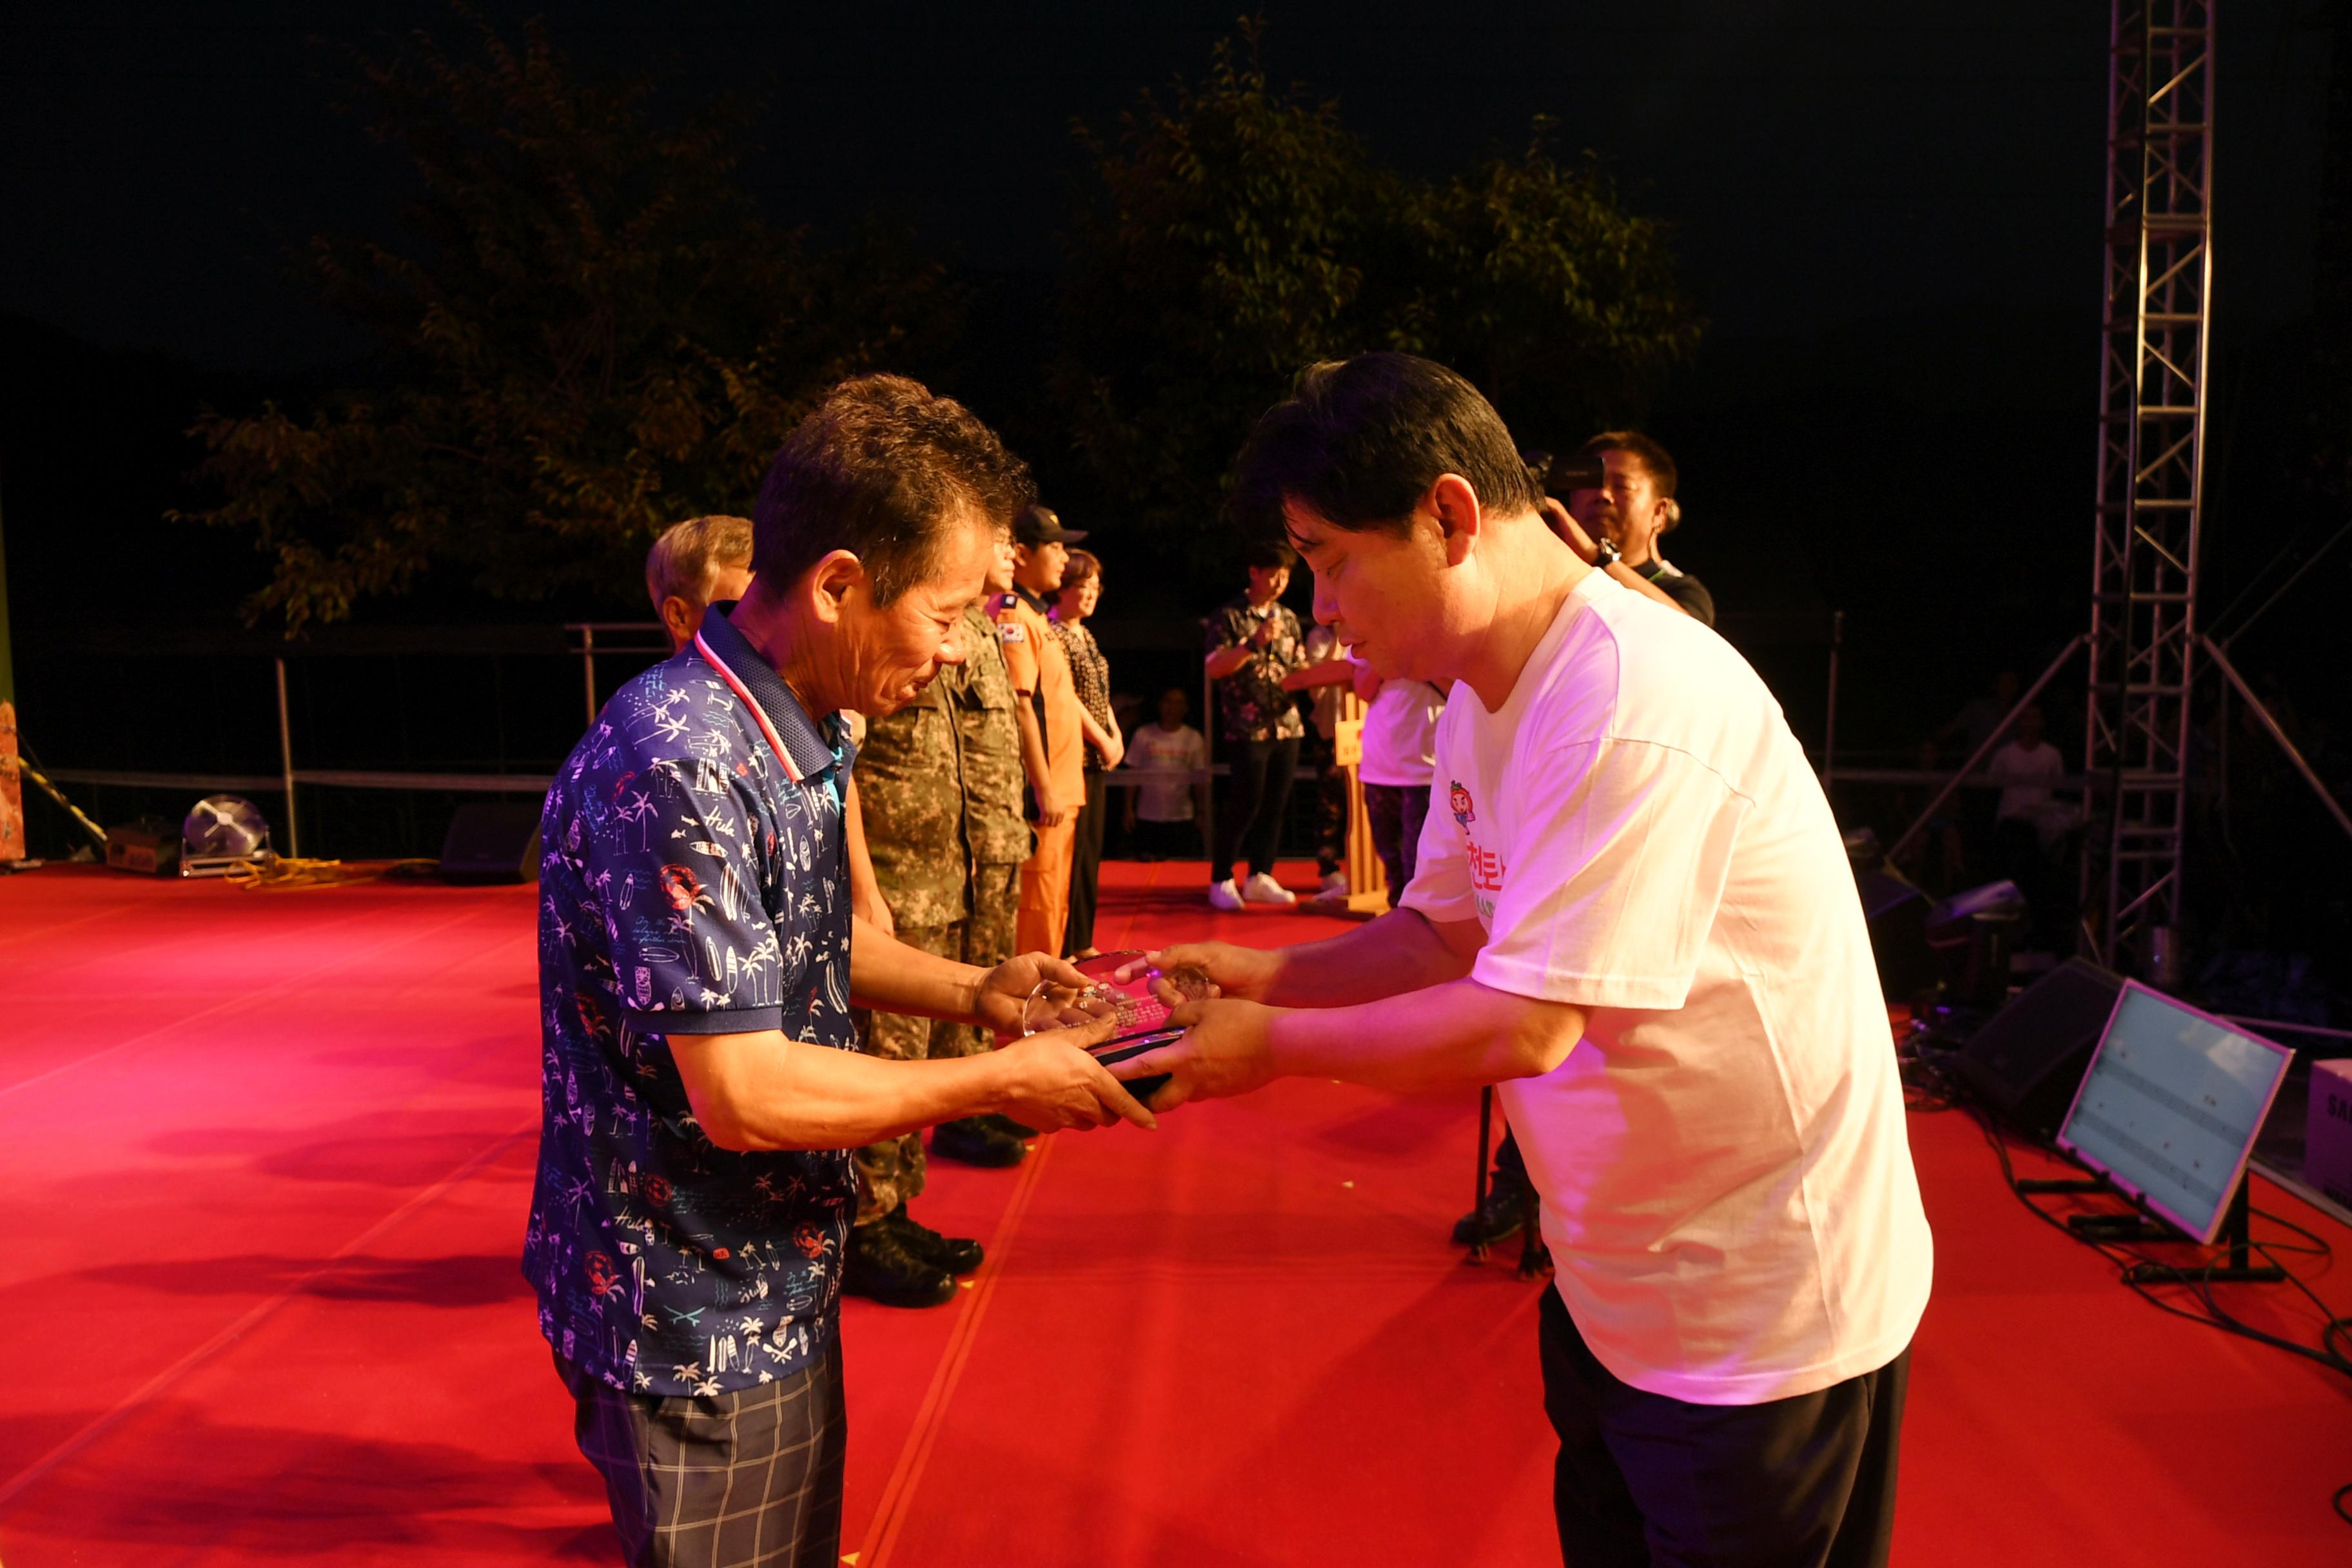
2027 767
1632 911
1161 820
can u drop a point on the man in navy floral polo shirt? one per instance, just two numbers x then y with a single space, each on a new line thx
697 960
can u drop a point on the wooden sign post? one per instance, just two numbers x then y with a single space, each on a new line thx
11 788
1368 886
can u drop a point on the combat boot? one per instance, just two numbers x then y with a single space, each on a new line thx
951 1254
975 1143
879 1266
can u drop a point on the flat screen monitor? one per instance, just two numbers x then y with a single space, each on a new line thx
2170 1107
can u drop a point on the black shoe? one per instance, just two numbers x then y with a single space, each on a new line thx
879 1266
1505 1211
1006 1125
952 1254
975 1143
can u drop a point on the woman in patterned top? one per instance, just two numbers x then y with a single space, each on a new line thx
1254 642
1081 591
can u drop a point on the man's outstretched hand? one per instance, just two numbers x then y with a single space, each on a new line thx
1247 973
1226 1050
1056 1085
1004 991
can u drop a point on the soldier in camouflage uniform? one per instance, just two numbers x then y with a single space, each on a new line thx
994 828
939 782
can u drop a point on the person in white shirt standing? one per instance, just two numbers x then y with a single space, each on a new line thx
1632 911
2027 767
1400 748
1162 821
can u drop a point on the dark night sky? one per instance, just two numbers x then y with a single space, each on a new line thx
1823 163
1892 223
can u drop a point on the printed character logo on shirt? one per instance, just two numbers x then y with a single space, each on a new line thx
1458 799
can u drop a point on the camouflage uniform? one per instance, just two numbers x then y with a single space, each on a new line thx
997 834
930 785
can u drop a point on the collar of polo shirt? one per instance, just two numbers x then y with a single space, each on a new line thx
808 747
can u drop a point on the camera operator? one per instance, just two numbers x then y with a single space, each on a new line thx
1625 515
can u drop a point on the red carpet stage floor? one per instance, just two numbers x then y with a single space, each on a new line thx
266 1157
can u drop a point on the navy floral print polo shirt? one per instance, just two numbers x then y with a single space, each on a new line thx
693 881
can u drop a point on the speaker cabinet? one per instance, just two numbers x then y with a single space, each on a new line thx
2028 1060
493 842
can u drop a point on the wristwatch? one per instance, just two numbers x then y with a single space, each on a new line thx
1605 555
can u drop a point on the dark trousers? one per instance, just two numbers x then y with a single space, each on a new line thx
1394 812
723 1480
1330 819
1251 823
1086 867
1642 1479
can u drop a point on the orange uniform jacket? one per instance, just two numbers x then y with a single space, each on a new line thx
1040 669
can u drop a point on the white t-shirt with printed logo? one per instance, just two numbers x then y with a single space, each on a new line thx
1727 1179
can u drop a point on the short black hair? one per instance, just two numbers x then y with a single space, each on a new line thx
1660 467
1264 551
881 470
1361 440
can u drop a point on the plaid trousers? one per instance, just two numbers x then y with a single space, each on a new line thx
728 1480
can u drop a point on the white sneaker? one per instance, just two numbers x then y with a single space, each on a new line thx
1335 886
1262 889
1225 895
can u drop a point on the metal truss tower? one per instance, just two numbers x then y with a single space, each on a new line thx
2143 634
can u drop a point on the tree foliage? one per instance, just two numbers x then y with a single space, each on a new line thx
1238 232
1530 278
587 334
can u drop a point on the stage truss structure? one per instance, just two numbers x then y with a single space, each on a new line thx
2143 636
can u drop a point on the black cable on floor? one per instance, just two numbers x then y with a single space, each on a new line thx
1924 1078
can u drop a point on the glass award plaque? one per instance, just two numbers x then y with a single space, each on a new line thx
1124 987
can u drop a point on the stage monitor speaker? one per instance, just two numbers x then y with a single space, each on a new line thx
2028 1060
1897 913
2327 1136
493 842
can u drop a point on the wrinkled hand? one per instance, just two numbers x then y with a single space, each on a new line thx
1003 991
1245 972
1226 1050
1055 1084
